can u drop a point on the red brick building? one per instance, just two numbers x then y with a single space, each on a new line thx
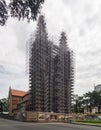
16 97
20 104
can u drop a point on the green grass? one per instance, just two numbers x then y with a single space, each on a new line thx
89 121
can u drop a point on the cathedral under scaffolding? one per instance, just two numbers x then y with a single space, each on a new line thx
51 72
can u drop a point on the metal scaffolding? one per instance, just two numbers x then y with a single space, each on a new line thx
51 72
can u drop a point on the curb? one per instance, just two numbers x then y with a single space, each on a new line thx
86 124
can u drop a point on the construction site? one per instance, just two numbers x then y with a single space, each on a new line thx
51 79
51 72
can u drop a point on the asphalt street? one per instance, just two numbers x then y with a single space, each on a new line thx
16 125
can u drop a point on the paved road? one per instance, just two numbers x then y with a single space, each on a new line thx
15 125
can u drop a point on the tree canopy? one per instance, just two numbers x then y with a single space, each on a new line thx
3 105
88 100
21 9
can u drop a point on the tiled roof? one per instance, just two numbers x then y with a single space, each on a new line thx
18 93
27 93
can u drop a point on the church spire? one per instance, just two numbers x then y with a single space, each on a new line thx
63 39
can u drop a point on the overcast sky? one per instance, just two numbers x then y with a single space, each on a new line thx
80 19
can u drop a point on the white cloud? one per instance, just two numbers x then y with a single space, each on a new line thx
80 19
13 38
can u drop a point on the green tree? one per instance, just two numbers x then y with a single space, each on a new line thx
88 101
97 99
28 9
78 104
93 99
3 105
